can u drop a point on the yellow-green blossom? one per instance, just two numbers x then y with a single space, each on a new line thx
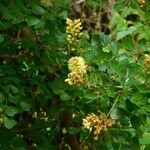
75 79
73 30
78 70
142 3
46 2
147 61
77 64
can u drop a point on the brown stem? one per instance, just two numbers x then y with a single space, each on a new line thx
67 122
4 57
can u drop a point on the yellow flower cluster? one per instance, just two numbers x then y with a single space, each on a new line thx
47 2
97 124
78 69
75 79
142 3
73 30
147 61
77 64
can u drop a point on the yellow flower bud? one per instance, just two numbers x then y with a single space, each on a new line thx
73 30
147 61
97 124
1 121
47 2
78 69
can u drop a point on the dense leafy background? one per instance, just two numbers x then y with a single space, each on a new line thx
35 102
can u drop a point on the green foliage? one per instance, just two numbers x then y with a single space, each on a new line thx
34 56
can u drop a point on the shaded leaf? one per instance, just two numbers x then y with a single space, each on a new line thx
11 111
9 122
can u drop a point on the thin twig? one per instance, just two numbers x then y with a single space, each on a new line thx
29 129
14 56
114 104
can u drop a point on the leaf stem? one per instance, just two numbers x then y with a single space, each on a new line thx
114 104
